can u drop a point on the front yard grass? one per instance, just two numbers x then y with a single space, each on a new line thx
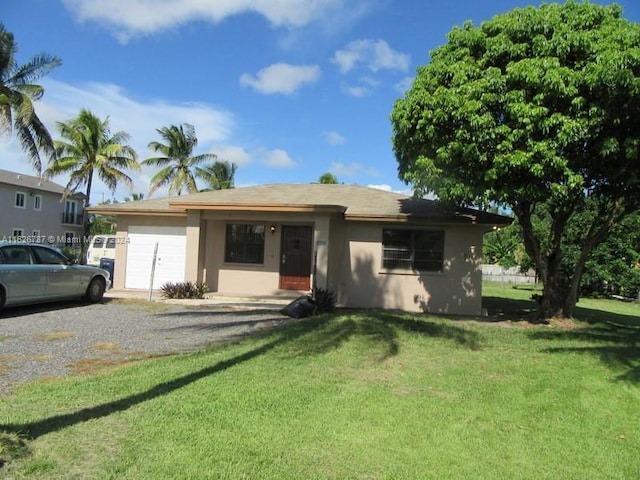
363 394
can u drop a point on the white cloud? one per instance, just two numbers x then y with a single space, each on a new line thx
405 84
372 82
385 187
62 102
358 91
351 170
277 158
232 154
281 78
128 18
373 54
333 138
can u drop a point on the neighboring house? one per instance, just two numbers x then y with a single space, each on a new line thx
35 207
372 247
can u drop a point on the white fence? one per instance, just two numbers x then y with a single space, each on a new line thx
497 273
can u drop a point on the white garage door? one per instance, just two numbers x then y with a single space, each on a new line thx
169 261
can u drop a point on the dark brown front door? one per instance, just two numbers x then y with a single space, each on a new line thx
295 258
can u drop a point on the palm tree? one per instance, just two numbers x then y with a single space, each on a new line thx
17 94
328 178
218 175
177 160
134 197
91 148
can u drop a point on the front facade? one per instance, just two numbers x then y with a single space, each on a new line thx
373 248
35 207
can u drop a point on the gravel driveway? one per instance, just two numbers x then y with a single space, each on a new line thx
60 339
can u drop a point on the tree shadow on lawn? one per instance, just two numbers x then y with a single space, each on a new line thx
501 308
379 329
618 347
310 336
610 336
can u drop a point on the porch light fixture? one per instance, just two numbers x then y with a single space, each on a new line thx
273 229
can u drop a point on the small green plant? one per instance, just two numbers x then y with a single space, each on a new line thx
325 301
188 290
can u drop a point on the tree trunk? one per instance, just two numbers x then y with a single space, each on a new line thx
553 288
569 306
85 222
595 236
548 266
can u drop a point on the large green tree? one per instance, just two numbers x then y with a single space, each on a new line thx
177 161
88 149
536 108
17 94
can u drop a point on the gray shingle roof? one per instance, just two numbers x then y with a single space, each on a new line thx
356 202
31 182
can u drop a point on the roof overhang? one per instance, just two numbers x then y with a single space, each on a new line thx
413 219
143 211
259 207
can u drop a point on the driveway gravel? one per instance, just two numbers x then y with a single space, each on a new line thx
58 339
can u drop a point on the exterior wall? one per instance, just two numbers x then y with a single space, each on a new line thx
194 259
349 261
263 279
457 290
124 222
47 220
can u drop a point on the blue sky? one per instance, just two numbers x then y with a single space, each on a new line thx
286 89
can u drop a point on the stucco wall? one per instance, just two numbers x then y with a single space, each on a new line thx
234 278
264 279
47 220
349 262
457 290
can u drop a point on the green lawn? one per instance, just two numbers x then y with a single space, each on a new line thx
352 395
515 302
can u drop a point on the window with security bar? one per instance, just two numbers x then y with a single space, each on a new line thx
416 250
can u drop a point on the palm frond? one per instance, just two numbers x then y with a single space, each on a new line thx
195 160
157 161
35 68
161 178
17 92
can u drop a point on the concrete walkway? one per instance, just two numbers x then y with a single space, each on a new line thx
263 302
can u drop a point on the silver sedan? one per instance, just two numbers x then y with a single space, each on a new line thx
36 274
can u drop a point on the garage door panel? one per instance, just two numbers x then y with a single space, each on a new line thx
170 261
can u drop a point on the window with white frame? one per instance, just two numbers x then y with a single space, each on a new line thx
20 200
417 250
35 233
37 202
17 232
70 212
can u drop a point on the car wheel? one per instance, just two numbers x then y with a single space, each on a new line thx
96 289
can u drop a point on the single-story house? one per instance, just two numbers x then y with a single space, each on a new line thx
374 248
